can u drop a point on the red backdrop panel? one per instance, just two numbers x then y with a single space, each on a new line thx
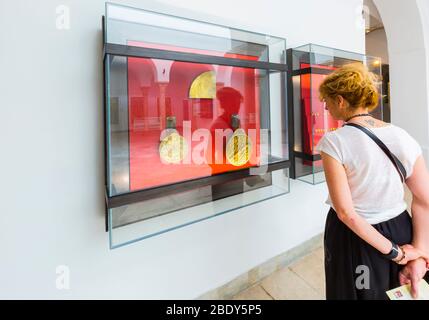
160 88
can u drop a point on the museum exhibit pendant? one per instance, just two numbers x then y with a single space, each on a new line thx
203 86
239 145
173 147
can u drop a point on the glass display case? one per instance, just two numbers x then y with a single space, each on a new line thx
195 121
309 121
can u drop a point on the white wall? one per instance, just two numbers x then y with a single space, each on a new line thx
423 6
52 159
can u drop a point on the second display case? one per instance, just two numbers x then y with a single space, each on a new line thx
309 121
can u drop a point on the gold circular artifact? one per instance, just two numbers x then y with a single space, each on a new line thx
173 148
203 86
238 148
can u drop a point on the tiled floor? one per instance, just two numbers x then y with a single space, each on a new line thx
303 280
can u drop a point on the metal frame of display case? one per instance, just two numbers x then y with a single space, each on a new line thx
151 193
291 110
113 49
131 51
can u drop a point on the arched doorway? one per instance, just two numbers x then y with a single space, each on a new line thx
376 46
404 23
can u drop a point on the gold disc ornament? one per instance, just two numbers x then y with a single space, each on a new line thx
173 148
203 86
238 148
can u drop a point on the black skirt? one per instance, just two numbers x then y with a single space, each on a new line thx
354 269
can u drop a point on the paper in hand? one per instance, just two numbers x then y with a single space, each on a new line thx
404 292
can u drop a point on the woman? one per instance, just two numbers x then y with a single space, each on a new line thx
371 243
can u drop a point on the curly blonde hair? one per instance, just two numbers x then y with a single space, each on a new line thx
354 83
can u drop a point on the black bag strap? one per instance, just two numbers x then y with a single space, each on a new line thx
398 165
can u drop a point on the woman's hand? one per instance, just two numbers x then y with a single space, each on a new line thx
412 273
409 253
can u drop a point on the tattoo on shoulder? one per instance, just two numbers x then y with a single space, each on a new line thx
370 122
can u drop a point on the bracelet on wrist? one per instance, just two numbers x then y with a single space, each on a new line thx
394 252
401 256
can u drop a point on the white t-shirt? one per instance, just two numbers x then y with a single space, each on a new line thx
375 185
